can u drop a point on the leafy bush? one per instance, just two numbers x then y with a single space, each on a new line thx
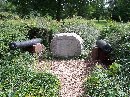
83 28
43 33
6 15
9 33
17 76
114 81
17 79
45 28
107 83
118 36
7 6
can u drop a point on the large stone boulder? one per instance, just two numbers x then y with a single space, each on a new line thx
66 45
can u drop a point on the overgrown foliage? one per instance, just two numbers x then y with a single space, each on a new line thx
108 83
117 34
115 80
46 28
59 9
17 77
84 28
119 10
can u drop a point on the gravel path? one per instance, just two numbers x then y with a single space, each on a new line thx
71 74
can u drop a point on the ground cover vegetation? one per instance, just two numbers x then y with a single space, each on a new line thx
17 75
113 81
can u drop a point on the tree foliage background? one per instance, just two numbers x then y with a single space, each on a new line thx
118 10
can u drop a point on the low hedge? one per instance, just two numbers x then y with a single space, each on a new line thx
85 29
114 81
17 76
118 35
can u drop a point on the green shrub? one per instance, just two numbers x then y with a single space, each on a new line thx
10 33
107 83
45 85
113 82
83 28
6 15
42 33
45 28
17 78
117 34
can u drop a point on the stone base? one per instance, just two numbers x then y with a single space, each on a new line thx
38 48
94 54
98 54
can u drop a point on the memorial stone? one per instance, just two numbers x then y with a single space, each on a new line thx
66 45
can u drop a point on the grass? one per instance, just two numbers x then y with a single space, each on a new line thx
99 24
